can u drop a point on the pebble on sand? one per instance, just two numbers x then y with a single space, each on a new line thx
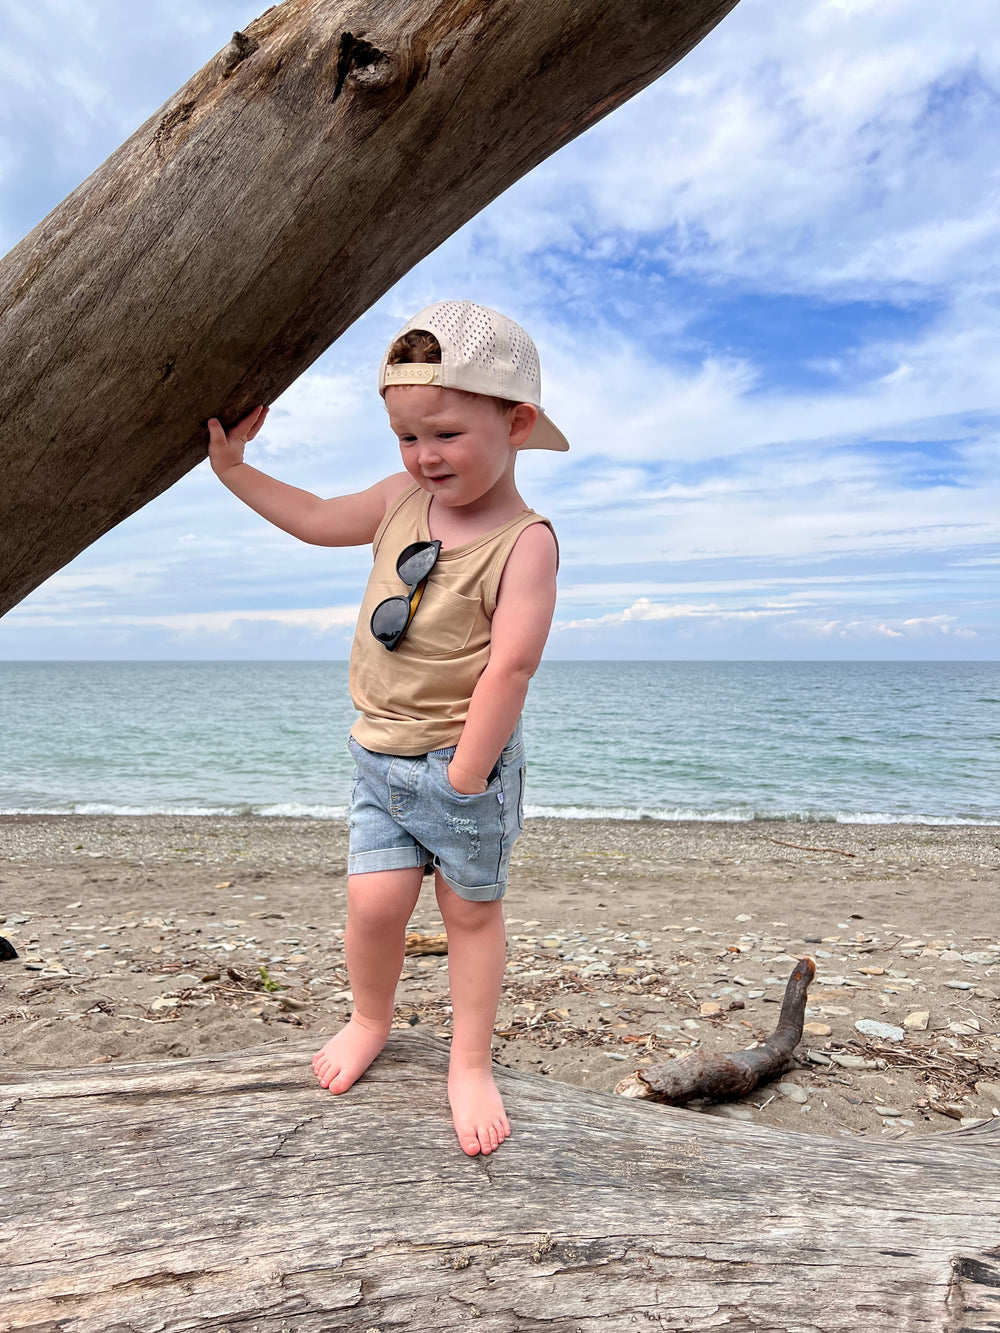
871 1027
793 1092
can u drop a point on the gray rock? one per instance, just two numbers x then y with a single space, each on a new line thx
793 1092
733 1111
871 1027
967 1028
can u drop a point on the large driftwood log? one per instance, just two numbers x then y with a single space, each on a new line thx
265 207
233 1193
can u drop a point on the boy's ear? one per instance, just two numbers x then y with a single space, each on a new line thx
522 423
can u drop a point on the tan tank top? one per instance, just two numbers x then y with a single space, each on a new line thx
416 698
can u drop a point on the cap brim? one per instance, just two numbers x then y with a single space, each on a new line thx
545 435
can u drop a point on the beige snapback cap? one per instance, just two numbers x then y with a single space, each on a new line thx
482 351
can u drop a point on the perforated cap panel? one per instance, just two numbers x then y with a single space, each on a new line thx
482 351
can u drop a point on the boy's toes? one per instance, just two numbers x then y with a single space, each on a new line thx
489 1139
470 1143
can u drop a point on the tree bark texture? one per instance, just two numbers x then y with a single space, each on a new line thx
233 1193
264 208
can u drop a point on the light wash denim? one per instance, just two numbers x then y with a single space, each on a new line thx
405 813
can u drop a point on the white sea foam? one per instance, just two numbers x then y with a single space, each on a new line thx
291 810
939 821
635 813
742 816
280 811
628 814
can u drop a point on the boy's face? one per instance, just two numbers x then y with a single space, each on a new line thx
458 446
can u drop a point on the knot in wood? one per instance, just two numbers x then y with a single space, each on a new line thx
361 63
236 52
542 1248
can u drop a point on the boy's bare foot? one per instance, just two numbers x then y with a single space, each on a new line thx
477 1110
346 1056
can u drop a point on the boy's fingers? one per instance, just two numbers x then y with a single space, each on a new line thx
258 416
244 430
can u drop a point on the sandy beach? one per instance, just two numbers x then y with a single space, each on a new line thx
146 938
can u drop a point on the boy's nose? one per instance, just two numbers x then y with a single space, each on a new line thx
427 453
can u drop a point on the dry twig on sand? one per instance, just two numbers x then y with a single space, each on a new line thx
416 944
723 1078
800 847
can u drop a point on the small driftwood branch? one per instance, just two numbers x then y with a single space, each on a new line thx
800 847
723 1078
422 944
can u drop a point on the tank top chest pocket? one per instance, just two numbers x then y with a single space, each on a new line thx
445 622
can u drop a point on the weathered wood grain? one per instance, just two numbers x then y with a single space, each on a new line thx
233 1193
264 208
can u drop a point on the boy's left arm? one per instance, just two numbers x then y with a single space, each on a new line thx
525 602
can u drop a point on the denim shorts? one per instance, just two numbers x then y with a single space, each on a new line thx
405 813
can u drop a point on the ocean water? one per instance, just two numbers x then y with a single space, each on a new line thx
876 742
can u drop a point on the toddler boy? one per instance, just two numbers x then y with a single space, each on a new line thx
451 629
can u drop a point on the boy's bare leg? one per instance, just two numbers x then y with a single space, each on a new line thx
477 947
378 908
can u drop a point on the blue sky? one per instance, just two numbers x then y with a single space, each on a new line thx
765 295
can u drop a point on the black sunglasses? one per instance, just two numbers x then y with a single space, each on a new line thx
391 618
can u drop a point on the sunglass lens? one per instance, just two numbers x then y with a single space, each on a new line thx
389 618
416 561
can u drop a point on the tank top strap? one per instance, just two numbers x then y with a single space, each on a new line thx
504 544
405 508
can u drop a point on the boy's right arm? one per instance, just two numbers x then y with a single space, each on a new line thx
346 520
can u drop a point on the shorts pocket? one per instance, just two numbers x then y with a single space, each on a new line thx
442 758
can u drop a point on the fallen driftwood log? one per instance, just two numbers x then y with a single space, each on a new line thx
723 1078
233 1193
261 211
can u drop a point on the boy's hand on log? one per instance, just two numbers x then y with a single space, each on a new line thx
225 448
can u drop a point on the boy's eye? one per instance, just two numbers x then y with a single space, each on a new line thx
447 434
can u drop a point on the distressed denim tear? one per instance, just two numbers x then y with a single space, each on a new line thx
470 829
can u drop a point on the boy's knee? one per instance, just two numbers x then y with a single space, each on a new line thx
463 914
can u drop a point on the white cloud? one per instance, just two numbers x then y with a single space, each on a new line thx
316 620
831 150
913 627
644 609
806 147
